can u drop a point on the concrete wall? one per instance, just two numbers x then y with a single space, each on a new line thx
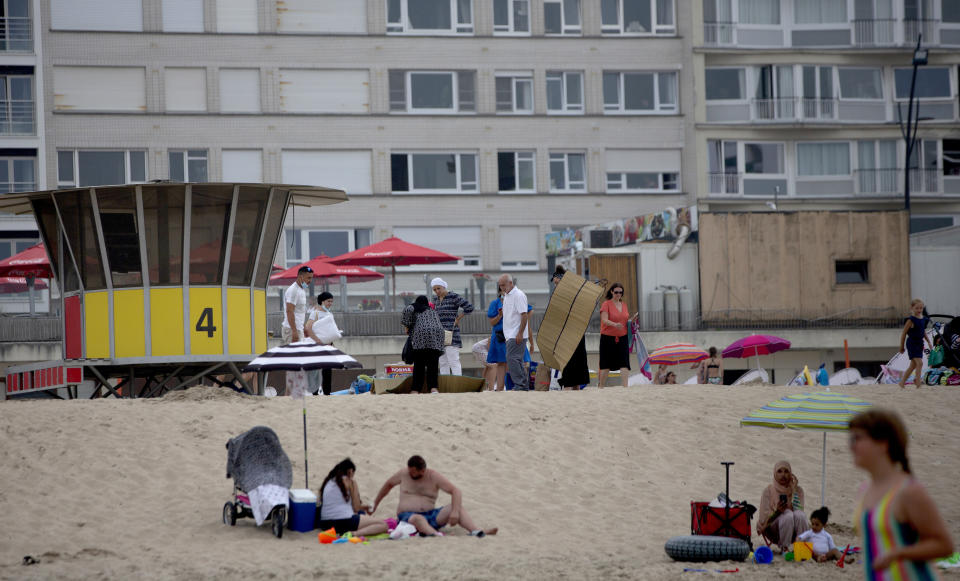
935 278
785 261
658 270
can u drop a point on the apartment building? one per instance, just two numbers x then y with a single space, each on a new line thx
471 126
798 103
22 163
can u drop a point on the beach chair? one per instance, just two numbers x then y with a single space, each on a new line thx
730 520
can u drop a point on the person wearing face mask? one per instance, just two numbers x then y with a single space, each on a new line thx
324 304
450 307
295 306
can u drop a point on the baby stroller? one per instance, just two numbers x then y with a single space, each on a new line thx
262 477
946 332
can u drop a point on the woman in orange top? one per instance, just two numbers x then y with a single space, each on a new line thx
614 343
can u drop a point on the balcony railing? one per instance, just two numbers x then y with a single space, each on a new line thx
794 109
925 181
879 181
913 28
16 34
866 33
718 33
17 117
724 183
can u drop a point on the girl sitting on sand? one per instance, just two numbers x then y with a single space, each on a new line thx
823 546
340 508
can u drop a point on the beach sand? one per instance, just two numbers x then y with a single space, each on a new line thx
585 485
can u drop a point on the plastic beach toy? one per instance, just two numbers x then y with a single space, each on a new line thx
763 555
802 551
328 536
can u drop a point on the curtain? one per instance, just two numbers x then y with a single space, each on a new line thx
866 162
668 90
823 159
760 11
820 11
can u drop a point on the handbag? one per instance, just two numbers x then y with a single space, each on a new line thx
447 337
407 353
501 338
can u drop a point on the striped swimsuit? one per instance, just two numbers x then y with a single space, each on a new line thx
882 532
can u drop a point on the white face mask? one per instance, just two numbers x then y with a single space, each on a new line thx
304 285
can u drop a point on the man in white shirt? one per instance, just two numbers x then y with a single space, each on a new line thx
515 316
295 306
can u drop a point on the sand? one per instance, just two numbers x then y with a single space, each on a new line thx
585 485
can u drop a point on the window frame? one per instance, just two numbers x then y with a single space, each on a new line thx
951 87
519 264
458 156
656 29
851 147
187 158
511 29
126 163
565 29
516 77
403 26
304 235
624 189
851 261
743 86
528 155
455 88
839 85
658 108
566 110
11 160
742 157
566 171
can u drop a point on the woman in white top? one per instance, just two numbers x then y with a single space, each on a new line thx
340 503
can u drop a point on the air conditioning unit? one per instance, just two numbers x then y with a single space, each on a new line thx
601 239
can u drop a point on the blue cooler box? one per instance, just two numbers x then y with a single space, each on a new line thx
303 508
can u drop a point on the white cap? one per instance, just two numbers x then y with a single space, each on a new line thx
438 282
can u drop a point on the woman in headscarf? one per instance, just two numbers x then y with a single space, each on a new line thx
426 339
577 371
781 518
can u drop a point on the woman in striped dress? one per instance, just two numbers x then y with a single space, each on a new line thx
901 527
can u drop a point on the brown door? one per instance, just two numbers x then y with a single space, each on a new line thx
620 268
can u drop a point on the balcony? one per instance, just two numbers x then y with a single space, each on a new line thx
16 34
794 109
17 117
857 33
867 183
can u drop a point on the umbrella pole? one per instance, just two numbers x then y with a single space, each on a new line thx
823 473
306 471
393 297
343 294
386 293
30 292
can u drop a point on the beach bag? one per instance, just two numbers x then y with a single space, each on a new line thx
326 329
407 353
447 337
935 358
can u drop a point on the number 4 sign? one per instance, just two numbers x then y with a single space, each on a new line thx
206 325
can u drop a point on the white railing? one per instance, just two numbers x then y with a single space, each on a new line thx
794 109
718 33
866 33
16 34
913 28
879 181
724 183
17 117
874 32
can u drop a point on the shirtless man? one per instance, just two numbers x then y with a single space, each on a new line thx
419 487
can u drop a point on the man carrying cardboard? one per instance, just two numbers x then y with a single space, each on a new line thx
515 319
419 488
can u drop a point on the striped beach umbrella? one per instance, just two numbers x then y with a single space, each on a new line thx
821 411
302 356
676 353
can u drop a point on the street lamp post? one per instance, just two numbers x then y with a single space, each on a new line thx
909 130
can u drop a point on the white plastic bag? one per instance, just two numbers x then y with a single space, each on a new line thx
404 530
326 329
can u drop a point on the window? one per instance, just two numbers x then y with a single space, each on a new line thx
642 171
951 157
514 92
462 241
511 16
823 159
330 91
302 245
242 165
568 172
432 91
640 92
434 172
637 17
114 15
82 168
763 158
17 36
240 90
515 171
16 105
324 16
430 16
926 223
11 246
182 15
188 165
725 84
932 83
820 12
851 271
349 171
564 92
186 89
520 247
860 83
237 16
561 16
99 89
18 174
877 166
759 11
950 11
818 92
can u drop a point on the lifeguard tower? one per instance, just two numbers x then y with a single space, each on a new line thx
162 284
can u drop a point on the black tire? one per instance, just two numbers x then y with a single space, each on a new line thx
703 548
279 518
230 514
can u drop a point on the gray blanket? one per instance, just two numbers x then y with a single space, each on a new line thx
255 457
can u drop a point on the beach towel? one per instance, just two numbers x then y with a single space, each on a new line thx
255 458
263 498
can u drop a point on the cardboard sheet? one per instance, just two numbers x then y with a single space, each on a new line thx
447 384
566 318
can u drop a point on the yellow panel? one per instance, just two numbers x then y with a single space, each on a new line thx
128 323
238 315
260 320
166 321
206 321
96 324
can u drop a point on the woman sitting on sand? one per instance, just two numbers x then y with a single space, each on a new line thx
340 508
781 518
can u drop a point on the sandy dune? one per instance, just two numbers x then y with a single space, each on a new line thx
584 485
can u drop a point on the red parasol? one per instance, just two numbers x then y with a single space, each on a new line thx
18 284
31 262
324 269
393 252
